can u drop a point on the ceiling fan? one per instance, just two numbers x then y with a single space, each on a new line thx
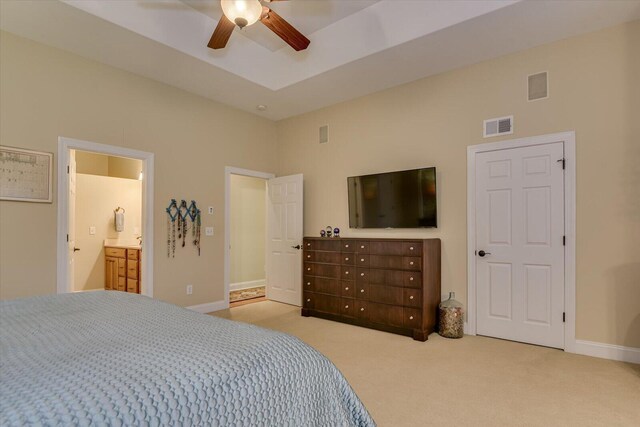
246 12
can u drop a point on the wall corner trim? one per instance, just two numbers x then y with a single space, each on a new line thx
607 351
209 307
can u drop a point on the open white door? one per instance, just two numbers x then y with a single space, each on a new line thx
71 225
284 239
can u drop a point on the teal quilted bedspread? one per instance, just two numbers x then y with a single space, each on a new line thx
111 358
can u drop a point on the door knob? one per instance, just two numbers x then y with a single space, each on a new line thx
296 247
76 249
483 253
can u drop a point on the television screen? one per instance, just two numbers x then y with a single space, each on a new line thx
405 199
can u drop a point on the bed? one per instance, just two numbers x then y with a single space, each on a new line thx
112 358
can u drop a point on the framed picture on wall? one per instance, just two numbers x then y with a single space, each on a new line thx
26 175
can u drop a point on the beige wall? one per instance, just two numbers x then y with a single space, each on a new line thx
100 164
47 93
96 199
247 229
595 90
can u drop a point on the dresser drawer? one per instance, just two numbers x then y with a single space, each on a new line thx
362 275
362 291
319 302
132 254
132 286
348 289
386 294
348 245
115 252
308 283
385 314
386 261
362 260
412 297
412 248
324 285
322 245
322 270
412 263
132 269
122 284
348 307
387 277
412 318
386 248
347 258
322 257
361 311
348 273
362 246
412 279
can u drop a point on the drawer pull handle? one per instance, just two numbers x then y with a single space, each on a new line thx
346 289
361 246
346 259
411 263
411 279
308 283
362 274
410 317
361 291
308 268
346 272
411 248
361 259
411 297
308 299
346 246
346 306
362 309
308 244
308 256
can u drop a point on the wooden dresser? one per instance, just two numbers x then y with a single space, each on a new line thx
122 269
387 284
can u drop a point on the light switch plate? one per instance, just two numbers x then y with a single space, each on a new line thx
92 230
208 231
210 210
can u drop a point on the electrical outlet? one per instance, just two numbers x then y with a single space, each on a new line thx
189 289
210 210
92 230
208 231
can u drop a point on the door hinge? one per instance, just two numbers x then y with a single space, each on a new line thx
563 317
67 168
564 161
564 240
67 237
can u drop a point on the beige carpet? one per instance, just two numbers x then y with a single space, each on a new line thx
473 381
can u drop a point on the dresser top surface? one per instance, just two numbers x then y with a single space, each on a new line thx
372 239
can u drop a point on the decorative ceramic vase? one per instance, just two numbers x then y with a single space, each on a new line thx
322 233
451 324
329 230
336 232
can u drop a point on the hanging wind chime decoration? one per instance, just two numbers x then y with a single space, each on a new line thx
178 219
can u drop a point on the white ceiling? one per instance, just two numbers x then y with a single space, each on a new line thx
357 46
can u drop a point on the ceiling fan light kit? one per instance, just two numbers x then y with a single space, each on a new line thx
247 12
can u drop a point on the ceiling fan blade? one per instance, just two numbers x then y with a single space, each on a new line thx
283 29
221 35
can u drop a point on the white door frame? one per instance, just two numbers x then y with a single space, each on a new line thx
569 140
64 146
228 171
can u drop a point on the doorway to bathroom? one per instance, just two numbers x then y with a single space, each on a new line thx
105 218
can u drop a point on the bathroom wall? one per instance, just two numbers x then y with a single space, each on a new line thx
96 199
248 231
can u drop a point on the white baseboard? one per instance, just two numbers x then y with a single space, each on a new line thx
607 351
209 307
245 285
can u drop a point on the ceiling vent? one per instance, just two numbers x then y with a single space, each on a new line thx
499 126
324 134
538 86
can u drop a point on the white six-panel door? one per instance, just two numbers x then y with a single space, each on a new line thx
284 239
520 228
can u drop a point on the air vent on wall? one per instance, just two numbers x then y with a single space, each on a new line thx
324 134
537 86
499 126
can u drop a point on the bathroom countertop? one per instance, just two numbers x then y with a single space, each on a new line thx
113 243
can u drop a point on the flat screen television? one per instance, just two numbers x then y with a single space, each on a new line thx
404 199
